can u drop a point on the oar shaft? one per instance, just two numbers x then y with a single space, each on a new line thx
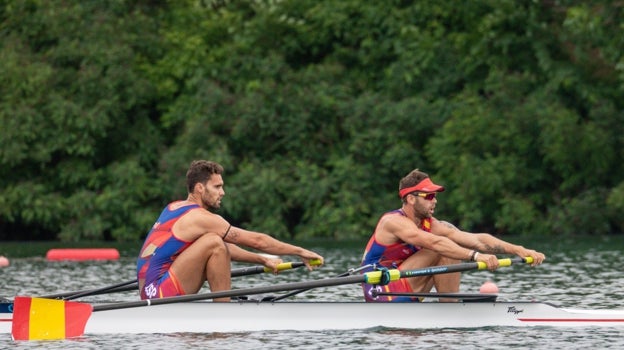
368 277
436 270
133 285
295 292
328 282
252 270
85 292
437 295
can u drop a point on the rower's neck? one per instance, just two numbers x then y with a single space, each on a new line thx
193 199
409 212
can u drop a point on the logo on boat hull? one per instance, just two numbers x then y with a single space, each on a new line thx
514 310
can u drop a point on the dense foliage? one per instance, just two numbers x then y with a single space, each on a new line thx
315 108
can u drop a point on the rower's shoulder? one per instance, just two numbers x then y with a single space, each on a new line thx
205 218
199 221
179 204
395 216
394 221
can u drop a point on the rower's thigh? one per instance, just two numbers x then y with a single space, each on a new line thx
421 259
190 266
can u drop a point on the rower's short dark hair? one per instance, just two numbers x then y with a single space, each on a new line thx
412 179
200 171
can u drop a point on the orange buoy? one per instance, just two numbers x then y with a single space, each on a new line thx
81 254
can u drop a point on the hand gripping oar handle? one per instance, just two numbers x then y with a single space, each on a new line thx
374 277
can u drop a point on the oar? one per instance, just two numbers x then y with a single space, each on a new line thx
463 296
38 319
295 292
119 287
133 285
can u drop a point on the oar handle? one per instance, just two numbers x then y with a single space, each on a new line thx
507 262
252 270
293 265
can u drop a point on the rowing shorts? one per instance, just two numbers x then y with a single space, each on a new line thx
400 286
166 286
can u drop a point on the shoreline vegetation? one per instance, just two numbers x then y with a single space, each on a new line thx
35 249
315 109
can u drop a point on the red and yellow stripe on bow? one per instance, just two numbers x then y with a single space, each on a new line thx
44 319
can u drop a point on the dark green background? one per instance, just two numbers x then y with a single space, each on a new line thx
315 108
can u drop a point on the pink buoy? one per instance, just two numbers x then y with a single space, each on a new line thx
81 254
4 262
488 287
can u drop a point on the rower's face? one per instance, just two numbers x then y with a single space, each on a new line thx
424 204
213 192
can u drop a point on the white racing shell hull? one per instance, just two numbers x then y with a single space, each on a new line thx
208 317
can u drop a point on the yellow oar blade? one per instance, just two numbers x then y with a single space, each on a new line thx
44 319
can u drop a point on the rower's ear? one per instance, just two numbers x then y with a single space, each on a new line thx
410 198
199 187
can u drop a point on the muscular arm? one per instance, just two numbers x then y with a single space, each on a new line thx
199 222
262 242
407 231
481 242
484 242
268 244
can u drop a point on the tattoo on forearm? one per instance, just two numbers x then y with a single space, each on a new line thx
497 249
233 234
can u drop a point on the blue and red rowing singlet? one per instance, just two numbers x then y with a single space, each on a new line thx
390 256
160 249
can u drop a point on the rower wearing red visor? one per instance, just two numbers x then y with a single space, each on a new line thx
412 238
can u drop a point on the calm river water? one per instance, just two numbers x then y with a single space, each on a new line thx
579 272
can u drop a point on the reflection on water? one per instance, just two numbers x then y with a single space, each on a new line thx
578 273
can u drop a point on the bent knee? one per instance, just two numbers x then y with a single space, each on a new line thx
211 241
426 257
448 261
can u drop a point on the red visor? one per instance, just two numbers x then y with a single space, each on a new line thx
424 186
